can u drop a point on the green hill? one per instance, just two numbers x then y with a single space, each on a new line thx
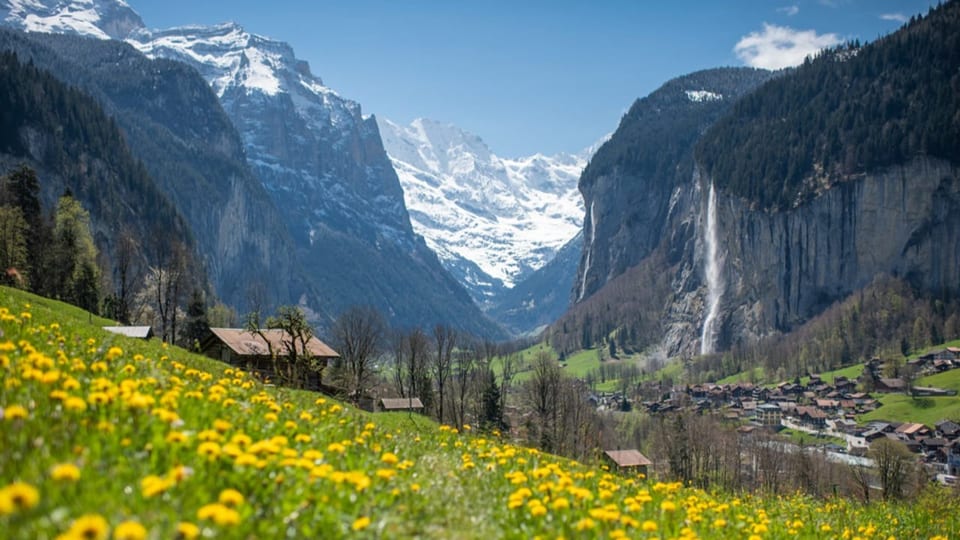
103 436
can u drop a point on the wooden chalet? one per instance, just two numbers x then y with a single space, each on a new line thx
628 461
249 351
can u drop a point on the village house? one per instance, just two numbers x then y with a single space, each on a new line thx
250 351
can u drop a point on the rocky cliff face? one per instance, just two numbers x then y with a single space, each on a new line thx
630 188
779 269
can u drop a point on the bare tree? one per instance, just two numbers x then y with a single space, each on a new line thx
411 374
464 374
445 341
892 460
126 273
542 392
358 335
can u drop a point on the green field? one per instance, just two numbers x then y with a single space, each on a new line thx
903 408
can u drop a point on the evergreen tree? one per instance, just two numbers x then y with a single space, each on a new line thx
13 247
76 276
197 324
491 415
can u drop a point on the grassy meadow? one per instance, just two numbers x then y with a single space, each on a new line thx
106 437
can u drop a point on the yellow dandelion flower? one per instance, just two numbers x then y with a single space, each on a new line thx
386 474
209 450
231 498
65 472
187 530
389 458
585 524
219 514
176 437
360 524
130 530
89 527
649 526
153 485
14 412
668 506
114 352
18 497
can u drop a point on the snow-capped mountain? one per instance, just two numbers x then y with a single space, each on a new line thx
320 159
491 220
104 19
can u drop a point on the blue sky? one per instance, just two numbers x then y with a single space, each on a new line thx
535 75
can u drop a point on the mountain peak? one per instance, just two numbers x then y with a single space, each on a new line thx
504 217
103 19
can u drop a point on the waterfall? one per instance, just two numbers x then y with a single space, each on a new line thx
589 250
711 271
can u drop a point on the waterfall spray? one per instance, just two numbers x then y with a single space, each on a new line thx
712 273
589 251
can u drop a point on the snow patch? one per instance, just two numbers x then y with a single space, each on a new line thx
699 96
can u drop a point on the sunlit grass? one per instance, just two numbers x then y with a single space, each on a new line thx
106 437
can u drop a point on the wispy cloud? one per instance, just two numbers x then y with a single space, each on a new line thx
899 17
777 47
790 11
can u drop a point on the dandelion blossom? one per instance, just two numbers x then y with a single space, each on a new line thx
65 472
18 497
130 530
360 524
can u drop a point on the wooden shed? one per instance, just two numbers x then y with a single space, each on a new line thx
400 404
139 332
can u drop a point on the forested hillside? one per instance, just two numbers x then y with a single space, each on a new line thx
56 141
851 110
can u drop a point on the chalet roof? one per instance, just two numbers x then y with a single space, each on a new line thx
628 458
910 428
141 332
811 412
893 383
948 427
401 404
246 343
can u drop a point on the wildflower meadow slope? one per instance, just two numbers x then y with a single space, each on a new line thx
106 437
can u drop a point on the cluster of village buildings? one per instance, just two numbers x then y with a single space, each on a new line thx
823 408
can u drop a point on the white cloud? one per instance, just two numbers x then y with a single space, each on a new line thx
899 17
790 11
777 47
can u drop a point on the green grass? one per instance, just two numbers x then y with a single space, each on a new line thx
756 374
130 436
903 408
947 379
804 438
